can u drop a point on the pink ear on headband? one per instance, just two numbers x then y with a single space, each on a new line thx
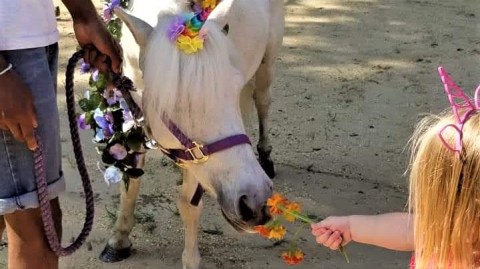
462 108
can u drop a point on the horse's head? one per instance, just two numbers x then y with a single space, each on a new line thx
200 93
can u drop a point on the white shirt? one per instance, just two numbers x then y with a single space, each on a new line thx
27 24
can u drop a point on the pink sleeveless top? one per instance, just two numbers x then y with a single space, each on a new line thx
412 262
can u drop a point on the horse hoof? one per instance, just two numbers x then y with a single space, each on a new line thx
112 255
268 167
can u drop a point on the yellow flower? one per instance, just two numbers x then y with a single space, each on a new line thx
277 232
293 208
209 4
189 45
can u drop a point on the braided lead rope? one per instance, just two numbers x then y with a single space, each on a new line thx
40 175
125 86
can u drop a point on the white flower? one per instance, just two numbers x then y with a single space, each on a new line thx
112 175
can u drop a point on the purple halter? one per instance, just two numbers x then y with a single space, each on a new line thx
195 152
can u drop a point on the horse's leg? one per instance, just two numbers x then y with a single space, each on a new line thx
261 95
263 82
190 215
119 245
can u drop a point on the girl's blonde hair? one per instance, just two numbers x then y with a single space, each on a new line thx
445 194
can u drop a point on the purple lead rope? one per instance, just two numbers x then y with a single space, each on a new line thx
40 175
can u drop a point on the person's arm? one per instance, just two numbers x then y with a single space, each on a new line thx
391 230
90 30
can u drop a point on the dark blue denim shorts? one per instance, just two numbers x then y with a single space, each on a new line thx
38 68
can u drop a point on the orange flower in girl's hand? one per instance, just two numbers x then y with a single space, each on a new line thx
291 211
278 232
293 257
262 230
282 209
272 230
276 202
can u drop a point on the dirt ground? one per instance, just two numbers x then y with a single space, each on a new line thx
353 78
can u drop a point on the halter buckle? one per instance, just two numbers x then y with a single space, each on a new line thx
197 153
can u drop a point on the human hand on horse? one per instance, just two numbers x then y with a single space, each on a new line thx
101 49
17 113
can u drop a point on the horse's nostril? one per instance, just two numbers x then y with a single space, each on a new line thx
266 217
245 211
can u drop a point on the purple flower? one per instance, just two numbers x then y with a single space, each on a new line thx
100 119
99 136
82 124
108 9
84 68
118 152
104 122
112 175
112 96
197 9
95 74
176 28
128 120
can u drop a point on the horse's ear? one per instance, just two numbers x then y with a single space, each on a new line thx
220 13
140 29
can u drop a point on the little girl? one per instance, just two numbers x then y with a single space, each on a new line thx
442 225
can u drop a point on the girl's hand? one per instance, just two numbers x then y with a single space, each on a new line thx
332 232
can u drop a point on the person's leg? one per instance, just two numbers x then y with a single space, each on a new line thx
27 246
2 227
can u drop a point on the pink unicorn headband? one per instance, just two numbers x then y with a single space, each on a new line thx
462 108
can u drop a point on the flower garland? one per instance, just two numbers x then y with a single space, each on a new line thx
119 137
283 209
185 29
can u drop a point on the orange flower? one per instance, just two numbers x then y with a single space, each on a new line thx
293 257
292 207
190 32
277 232
262 230
275 202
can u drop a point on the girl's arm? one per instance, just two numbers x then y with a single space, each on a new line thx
391 230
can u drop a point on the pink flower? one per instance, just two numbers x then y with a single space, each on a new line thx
118 152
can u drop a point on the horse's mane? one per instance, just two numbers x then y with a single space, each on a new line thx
185 86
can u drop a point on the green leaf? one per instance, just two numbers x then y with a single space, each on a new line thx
101 83
96 99
84 105
89 117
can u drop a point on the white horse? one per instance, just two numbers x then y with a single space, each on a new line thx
204 94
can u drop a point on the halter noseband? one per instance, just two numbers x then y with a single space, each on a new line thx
195 152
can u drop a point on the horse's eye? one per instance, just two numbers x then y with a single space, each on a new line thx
226 29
